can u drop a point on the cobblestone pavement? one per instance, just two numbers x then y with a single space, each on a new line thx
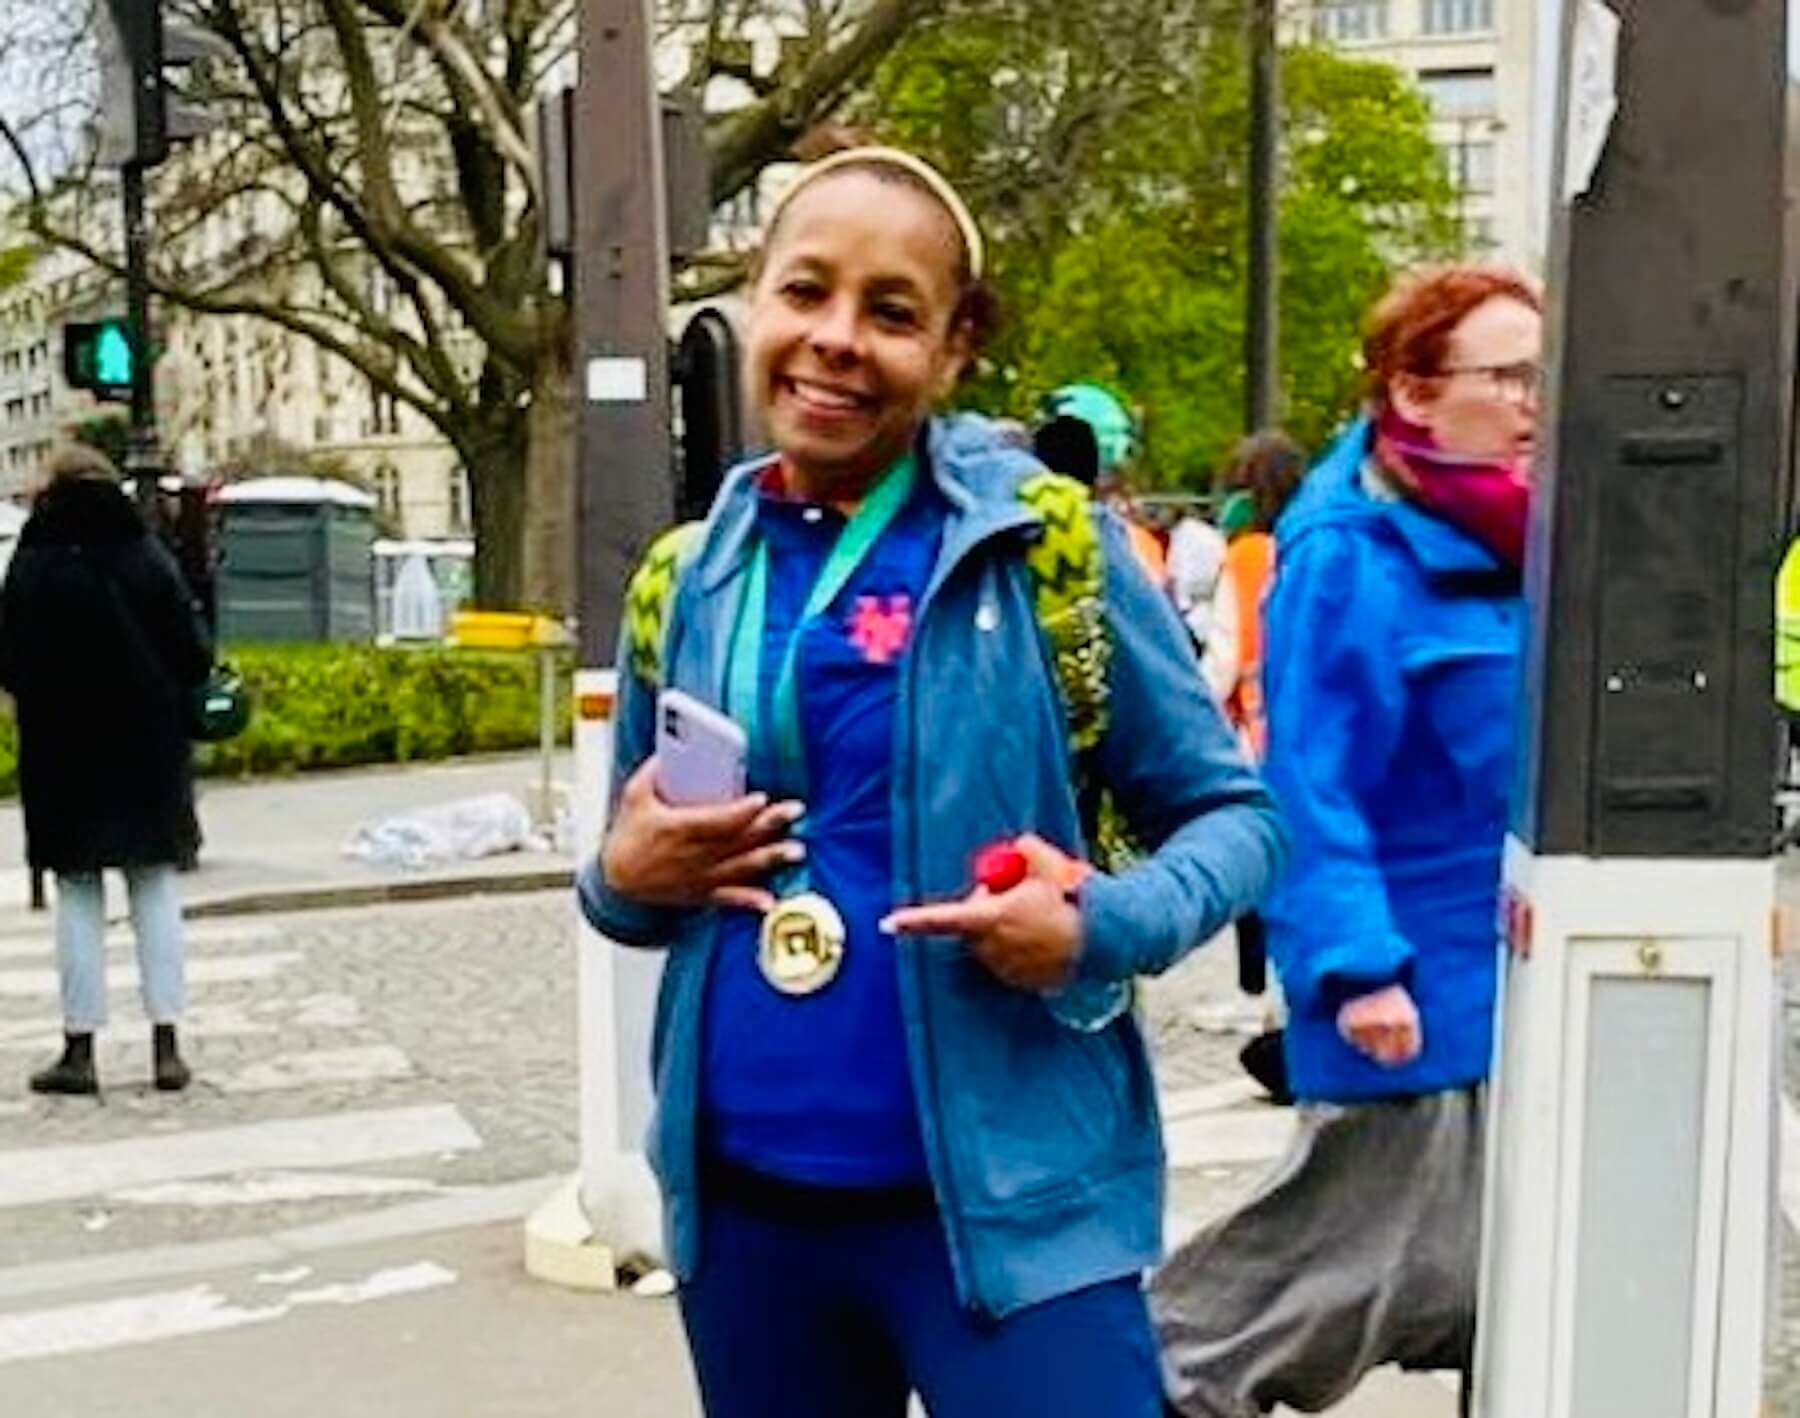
469 1005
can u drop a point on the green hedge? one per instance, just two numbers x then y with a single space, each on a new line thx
338 706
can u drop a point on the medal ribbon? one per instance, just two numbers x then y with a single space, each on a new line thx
743 688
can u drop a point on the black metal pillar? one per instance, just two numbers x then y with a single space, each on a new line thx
624 473
1659 509
1262 345
143 455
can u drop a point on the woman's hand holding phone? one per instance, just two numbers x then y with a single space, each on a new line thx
716 854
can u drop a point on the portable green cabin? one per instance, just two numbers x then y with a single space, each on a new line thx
297 561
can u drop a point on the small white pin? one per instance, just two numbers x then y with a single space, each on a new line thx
988 617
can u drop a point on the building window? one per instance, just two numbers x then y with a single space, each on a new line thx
387 492
1456 16
1459 93
384 413
1346 21
1471 165
459 500
1478 235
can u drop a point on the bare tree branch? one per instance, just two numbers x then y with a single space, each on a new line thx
750 139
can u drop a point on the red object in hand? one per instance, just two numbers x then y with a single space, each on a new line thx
1001 867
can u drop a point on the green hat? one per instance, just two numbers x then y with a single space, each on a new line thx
1237 513
1114 430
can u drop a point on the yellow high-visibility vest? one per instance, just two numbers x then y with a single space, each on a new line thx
1787 630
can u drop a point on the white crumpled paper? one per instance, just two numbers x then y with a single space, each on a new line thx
461 831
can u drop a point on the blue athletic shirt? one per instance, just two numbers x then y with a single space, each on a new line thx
817 1089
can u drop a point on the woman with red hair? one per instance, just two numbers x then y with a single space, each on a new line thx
1392 639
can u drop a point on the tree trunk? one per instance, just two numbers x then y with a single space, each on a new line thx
495 458
547 581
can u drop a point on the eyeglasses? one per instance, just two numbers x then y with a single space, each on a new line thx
1520 381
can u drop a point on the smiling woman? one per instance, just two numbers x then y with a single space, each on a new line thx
899 1154
868 305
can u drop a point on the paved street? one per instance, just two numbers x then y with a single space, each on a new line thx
383 1093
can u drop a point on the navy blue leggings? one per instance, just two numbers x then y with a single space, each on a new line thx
845 1319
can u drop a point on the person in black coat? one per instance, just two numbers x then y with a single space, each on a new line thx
101 649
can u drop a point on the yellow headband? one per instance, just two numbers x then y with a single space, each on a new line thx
934 180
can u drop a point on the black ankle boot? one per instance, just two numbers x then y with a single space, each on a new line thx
172 1075
73 1073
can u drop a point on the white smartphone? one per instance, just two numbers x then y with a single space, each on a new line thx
701 755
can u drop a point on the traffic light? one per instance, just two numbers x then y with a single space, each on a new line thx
706 373
98 357
139 115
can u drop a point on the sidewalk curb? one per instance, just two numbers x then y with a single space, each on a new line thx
280 900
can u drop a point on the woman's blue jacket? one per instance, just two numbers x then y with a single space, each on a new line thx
1043 1142
1392 680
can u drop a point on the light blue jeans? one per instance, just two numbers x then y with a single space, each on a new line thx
81 946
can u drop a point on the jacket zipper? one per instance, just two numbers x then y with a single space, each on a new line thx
912 771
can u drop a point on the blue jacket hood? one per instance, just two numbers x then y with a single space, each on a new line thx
972 464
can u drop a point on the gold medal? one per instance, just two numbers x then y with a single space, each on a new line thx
802 946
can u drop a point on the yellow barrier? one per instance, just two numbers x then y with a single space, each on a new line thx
493 630
506 630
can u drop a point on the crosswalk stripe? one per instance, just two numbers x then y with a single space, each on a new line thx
1790 1162
212 970
1229 1139
197 936
32 1175
266 1188
198 1309
1212 1098
365 1064
201 1021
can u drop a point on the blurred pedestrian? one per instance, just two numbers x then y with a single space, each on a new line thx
1265 472
1393 634
892 1162
1101 462
101 649
1266 469
1196 561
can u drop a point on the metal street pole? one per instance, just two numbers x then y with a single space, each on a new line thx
1635 1139
624 452
624 496
1262 348
143 456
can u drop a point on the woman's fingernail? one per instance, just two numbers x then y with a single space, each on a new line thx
889 926
793 851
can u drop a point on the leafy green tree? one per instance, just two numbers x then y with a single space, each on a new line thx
1106 150
15 263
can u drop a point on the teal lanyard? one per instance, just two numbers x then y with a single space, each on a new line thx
743 689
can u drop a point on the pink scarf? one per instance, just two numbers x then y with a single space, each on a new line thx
1488 500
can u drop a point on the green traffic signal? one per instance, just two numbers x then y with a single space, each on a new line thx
112 356
98 357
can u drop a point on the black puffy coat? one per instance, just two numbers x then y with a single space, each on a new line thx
101 649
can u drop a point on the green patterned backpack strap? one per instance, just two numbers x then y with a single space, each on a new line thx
1068 571
650 599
